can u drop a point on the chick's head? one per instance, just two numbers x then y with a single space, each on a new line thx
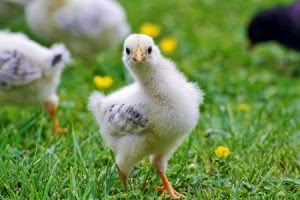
140 51
59 57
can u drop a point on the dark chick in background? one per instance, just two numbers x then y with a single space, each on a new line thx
280 24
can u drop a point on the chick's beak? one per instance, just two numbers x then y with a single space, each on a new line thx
138 55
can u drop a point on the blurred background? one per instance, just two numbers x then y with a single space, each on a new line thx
251 106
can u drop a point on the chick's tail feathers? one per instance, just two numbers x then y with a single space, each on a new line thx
95 102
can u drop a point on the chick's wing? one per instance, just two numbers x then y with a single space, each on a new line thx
126 119
17 70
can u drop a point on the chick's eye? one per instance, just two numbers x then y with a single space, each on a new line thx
127 51
149 50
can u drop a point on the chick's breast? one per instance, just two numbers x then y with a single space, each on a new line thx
134 121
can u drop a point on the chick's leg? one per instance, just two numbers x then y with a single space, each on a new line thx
51 108
123 166
123 177
160 164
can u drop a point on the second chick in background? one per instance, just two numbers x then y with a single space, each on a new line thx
86 27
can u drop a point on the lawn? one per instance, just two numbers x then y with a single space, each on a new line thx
263 137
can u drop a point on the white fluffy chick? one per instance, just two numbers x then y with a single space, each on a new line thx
152 116
30 73
86 27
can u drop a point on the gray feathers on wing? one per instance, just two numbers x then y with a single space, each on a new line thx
17 70
125 119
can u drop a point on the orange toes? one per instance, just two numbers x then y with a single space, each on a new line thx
171 192
58 129
51 109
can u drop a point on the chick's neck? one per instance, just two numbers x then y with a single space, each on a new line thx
158 81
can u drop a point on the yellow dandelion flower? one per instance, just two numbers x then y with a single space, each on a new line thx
168 45
244 107
222 151
103 82
150 29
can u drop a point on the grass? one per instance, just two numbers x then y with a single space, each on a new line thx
265 141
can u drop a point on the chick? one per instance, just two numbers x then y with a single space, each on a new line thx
280 24
150 117
86 27
30 73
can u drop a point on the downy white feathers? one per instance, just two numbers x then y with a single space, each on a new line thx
152 116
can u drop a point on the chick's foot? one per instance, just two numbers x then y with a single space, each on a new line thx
168 188
51 109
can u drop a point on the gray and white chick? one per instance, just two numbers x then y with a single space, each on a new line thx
30 73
